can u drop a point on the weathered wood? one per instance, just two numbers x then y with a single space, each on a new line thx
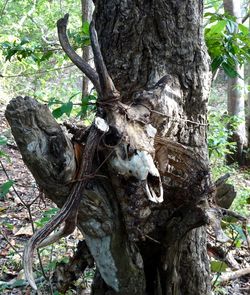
98 215
45 149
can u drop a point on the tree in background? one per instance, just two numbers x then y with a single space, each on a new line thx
140 196
236 95
247 75
87 10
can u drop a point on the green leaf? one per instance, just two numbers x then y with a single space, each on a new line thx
24 40
218 266
5 187
3 286
239 230
5 45
75 94
4 155
50 212
66 108
57 113
3 140
218 28
85 28
229 70
216 63
9 226
243 29
18 283
46 55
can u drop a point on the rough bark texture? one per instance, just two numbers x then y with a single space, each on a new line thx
148 40
235 96
155 53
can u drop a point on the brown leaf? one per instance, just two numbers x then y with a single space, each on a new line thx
2 209
4 252
26 231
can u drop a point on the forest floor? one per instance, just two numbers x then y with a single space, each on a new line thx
24 205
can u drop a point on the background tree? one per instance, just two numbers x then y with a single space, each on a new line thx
236 95
156 109
87 10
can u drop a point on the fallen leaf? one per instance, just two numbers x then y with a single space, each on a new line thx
4 252
26 231
2 209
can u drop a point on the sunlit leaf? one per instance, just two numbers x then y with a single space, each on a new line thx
229 70
218 28
218 266
85 28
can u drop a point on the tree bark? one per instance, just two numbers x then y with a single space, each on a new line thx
247 76
141 244
235 97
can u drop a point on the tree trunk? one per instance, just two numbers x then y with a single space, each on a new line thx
235 97
247 78
142 242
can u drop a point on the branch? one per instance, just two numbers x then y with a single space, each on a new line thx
106 82
227 276
245 17
36 73
68 213
75 58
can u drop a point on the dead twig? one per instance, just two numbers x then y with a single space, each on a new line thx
232 275
9 243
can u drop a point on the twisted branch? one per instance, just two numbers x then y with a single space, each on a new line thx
67 214
107 85
75 58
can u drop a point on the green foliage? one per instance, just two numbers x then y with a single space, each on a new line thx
5 187
24 48
228 42
31 60
80 109
47 215
218 266
219 134
241 203
80 38
3 140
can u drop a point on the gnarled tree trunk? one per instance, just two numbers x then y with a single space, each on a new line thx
144 240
